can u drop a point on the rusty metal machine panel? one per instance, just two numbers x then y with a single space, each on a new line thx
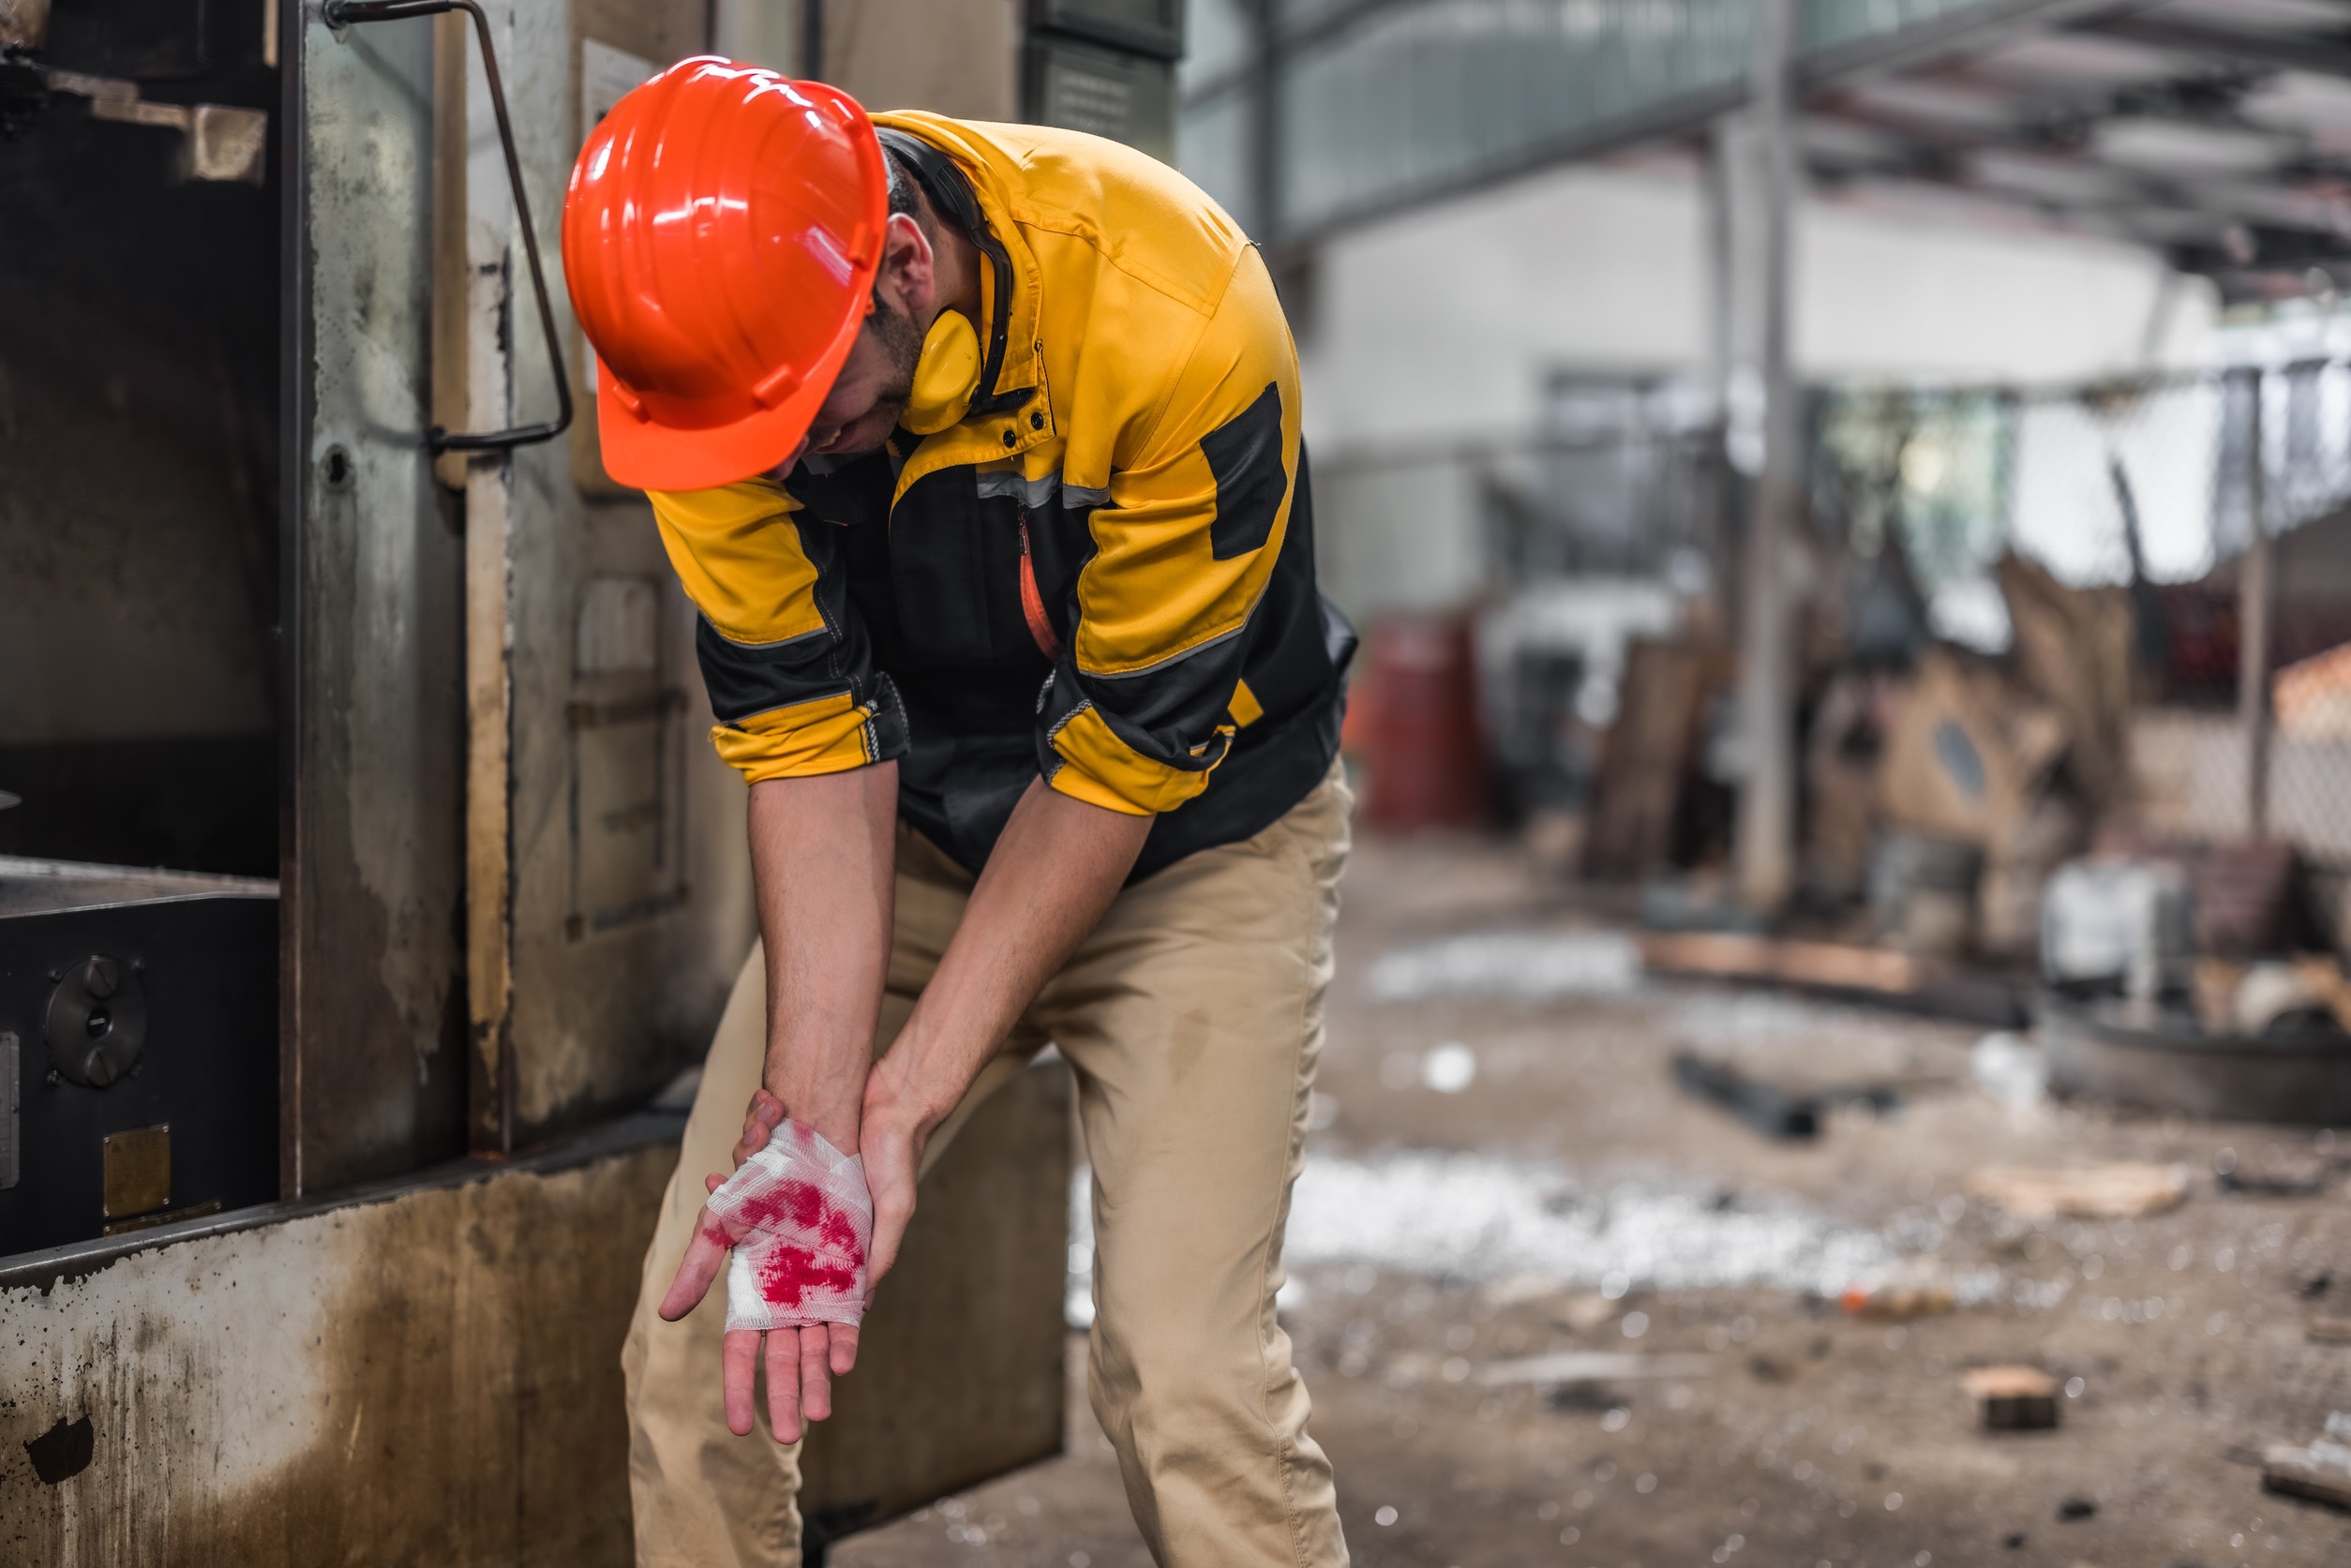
630 907
374 1016
586 832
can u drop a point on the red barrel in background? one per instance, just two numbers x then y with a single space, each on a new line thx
1413 723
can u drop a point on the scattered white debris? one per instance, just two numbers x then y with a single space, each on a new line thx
2010 1069
1527 1229
1523 965
1488 1218
1573 1367
1449 1069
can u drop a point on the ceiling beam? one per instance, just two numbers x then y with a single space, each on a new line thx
1690 114
1953 32
2272 205
2320 55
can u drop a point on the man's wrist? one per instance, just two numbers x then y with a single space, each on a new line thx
896 1095
833 1115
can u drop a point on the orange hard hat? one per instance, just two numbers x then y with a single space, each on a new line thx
720 238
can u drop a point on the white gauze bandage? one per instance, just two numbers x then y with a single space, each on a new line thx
801 1222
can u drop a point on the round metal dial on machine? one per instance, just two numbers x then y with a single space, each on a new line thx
98 1020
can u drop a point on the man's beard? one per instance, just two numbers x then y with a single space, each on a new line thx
902 341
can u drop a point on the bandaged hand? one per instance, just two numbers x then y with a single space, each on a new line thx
800 1222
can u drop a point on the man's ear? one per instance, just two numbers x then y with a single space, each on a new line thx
908 280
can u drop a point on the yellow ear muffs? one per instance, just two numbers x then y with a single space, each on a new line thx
944 378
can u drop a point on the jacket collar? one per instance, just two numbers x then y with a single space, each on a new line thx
1011 409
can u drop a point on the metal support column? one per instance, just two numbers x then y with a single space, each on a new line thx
1264 107
1715 183
2255 593
1767 797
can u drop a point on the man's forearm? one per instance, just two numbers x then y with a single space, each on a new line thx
1053 873
822 859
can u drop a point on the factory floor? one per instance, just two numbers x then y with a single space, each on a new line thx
1505 1169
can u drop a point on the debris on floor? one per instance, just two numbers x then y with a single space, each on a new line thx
1736 955
1554 1309
1574 1367
1482 1218
1445 1069
1836 969
2276 1176
2121 1189
2012 1399
1527 966
2320 1471
1772 1110
1919 1287
2010 1069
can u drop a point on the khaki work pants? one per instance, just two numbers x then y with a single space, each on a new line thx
1192 1017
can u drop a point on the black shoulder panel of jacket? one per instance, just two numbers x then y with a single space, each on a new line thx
1244 454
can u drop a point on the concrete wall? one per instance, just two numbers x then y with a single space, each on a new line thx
960 57
1443 326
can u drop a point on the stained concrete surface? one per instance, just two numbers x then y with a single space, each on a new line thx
1809 1436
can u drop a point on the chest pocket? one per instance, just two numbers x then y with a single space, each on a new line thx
956 571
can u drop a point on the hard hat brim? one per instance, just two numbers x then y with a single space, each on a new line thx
643 453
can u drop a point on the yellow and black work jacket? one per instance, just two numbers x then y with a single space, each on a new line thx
1104 573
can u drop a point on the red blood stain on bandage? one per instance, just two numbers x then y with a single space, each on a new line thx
788 1274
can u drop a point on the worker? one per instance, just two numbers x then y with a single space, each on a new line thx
976 446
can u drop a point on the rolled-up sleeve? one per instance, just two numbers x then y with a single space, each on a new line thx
788 665
1148 695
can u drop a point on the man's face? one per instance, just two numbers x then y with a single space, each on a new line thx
871 392
877 378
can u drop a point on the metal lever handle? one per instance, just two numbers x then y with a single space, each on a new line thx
343 13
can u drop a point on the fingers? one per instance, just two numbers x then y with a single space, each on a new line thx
783 1384
801 1364
742 1358
705 1259
758 1124
816 1383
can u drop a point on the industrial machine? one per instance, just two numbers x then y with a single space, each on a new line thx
137 1053
139 540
